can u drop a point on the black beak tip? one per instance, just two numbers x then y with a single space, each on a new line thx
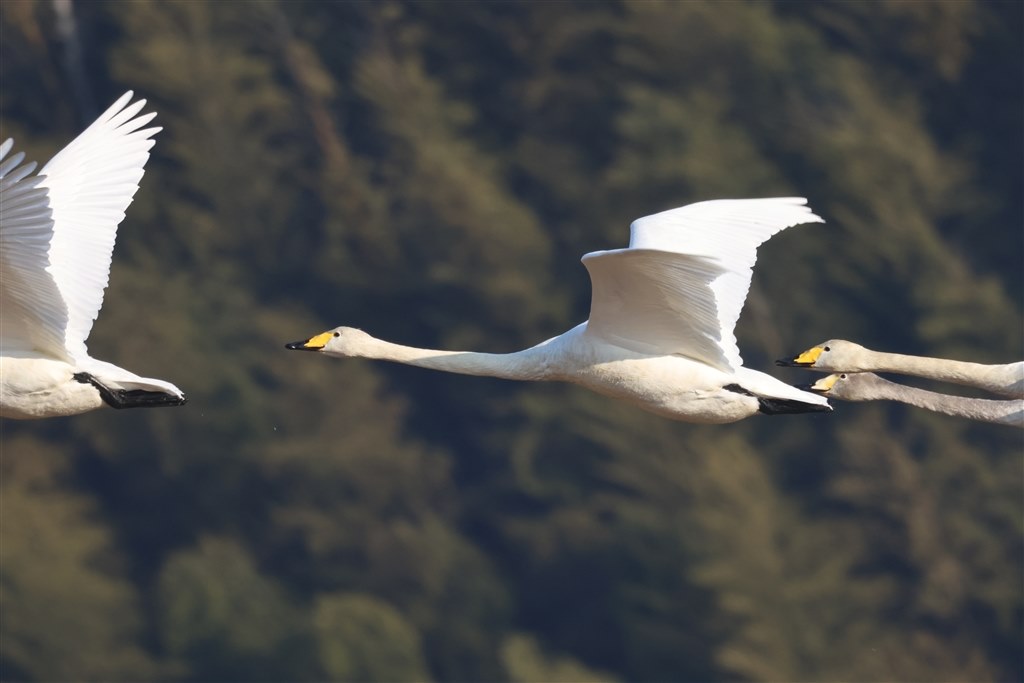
302 346
784 362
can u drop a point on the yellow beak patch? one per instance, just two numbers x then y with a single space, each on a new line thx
809 356
319 341
825 383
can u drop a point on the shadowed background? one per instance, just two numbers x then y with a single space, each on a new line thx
431 173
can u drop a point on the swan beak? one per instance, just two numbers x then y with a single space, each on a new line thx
316 343
804 360
823 385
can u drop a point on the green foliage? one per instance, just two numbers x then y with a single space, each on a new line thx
525 662
219 611
363 639
432 172
67 610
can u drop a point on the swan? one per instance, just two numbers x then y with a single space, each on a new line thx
57 229
662 313
838 355
867 386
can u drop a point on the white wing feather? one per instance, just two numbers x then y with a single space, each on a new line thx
32 312
680 286
655 302
90 183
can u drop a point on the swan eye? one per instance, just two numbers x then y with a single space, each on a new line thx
337 334
842 376
827 349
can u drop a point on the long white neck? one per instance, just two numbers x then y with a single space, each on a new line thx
1001 379
986 410
528 364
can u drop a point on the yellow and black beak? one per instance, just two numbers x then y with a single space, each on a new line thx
823 385
316 343
804 360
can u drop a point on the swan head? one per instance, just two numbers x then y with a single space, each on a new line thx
834 354
341 341
848 386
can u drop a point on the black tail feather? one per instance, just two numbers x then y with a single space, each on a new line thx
131 398
787 406
779 406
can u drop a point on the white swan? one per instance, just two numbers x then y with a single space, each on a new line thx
837 355
57 230
867 386
662 314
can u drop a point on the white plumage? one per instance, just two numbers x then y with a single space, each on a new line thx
839 355
662 319
57 231
867 386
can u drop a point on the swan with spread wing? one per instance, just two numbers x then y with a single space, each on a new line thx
57 230
662 315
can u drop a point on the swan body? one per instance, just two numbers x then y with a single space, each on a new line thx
660 333
867 386
837 355
57 229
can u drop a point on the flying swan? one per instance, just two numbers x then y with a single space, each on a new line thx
662 313
837 355
57 229
867 386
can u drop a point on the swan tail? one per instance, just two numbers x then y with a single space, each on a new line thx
773 405
120 398
788 406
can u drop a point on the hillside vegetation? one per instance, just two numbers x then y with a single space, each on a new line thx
432 173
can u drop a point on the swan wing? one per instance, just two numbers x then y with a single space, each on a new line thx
680 286
656 302
89 184
32 312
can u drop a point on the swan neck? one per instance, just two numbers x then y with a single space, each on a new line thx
520 365
958 372
987 410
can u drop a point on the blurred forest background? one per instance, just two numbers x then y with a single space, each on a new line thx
432 172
